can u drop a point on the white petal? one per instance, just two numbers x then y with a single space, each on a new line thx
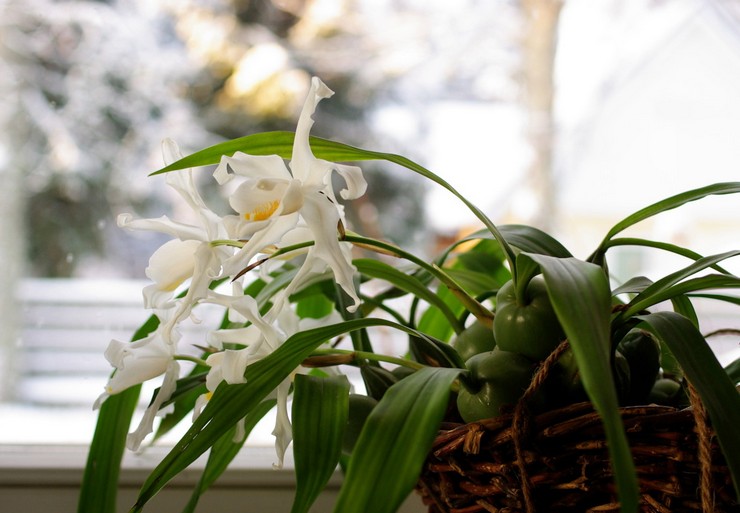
356 184
181 180
146 426
206 269
302 158
273 231
215 375
322 217
234 364
283 431
172 263
251 166
247 306
165 225
200 403
137 362
259 200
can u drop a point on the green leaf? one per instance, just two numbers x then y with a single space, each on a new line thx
223 453
664 288
719 297
100 481
394 443
711 281
230 403
435 353
633 286
99 487
665 246
533 240
733 371
407 282
460 293
186 394
662 206
434 323
579 293
711 381
314 306
476 282
320 409
377 380
683 305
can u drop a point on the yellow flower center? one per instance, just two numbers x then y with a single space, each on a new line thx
262 212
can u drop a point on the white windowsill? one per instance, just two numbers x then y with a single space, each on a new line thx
45 478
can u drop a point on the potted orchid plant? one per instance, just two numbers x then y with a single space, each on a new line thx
300 311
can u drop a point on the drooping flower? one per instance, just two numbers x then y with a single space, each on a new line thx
140 361
274 198
261 337
190 254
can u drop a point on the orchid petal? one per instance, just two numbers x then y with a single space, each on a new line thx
215 374
322 217
283 431
207 266
258 200
251 166
182 180
269 235
356 184
162 224
146 425
234 364
172 263
303 159
200 403
137 362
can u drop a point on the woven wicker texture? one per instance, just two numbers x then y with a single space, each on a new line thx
474 467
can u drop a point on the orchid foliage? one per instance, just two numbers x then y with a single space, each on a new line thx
300 309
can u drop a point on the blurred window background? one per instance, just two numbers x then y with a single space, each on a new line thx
566 114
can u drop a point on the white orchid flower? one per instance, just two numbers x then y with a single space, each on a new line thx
260 338
190 255
263 336
137 362
274 198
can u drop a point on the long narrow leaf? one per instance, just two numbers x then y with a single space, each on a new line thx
708 282
665 246
702 369
466 299
223 453
580 296
532 240
320 410
735 300
394 443
733 371
100 480
407 282
434 323
668 204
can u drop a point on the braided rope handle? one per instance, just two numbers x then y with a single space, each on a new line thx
520 421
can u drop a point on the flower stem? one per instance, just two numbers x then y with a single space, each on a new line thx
370 356
188 358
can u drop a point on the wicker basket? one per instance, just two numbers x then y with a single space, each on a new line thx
474 467
558 461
